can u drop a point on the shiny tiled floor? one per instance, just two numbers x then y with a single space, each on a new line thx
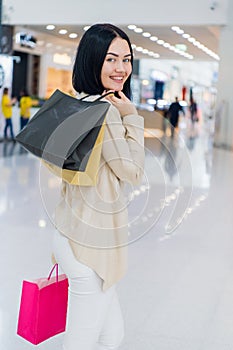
178 293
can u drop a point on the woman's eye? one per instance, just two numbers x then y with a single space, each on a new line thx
126 60
110 59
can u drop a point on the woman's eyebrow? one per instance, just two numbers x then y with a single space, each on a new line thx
114 54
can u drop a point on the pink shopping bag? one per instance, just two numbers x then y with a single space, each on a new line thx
43 308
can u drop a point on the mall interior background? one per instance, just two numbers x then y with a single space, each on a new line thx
42 62
178 290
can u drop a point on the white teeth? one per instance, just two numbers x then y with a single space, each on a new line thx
117 78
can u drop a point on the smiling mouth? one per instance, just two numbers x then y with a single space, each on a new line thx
118 79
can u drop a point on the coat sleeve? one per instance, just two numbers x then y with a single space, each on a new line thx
123 146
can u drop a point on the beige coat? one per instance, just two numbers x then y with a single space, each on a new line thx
95 218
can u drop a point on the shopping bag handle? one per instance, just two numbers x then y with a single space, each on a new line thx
104 95
50 274
99 98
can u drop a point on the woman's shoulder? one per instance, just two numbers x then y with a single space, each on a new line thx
113 115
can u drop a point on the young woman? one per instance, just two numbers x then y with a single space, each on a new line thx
90 243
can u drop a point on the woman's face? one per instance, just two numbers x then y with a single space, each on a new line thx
117 65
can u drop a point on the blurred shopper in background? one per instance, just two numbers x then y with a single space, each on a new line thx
193 111
25 104
7 104
173 114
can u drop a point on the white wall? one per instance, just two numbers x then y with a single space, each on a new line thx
156 12
7 66
6 63
224 110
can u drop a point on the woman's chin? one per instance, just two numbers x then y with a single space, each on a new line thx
116 88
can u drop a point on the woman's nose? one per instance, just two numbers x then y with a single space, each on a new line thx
120 67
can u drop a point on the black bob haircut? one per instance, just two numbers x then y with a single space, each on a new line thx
90 57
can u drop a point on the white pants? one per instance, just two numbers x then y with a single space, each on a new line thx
94 318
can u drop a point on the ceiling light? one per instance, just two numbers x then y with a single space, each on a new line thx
62 31
138 30
86 28
132 26
196 43
146 34
153 38
181 47
160 42
175 28
50 27
73 35
191 40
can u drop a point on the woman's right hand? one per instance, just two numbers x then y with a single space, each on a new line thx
122 103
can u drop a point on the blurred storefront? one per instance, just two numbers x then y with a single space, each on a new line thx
40 70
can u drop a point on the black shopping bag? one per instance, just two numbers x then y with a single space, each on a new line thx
64 131
89 177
